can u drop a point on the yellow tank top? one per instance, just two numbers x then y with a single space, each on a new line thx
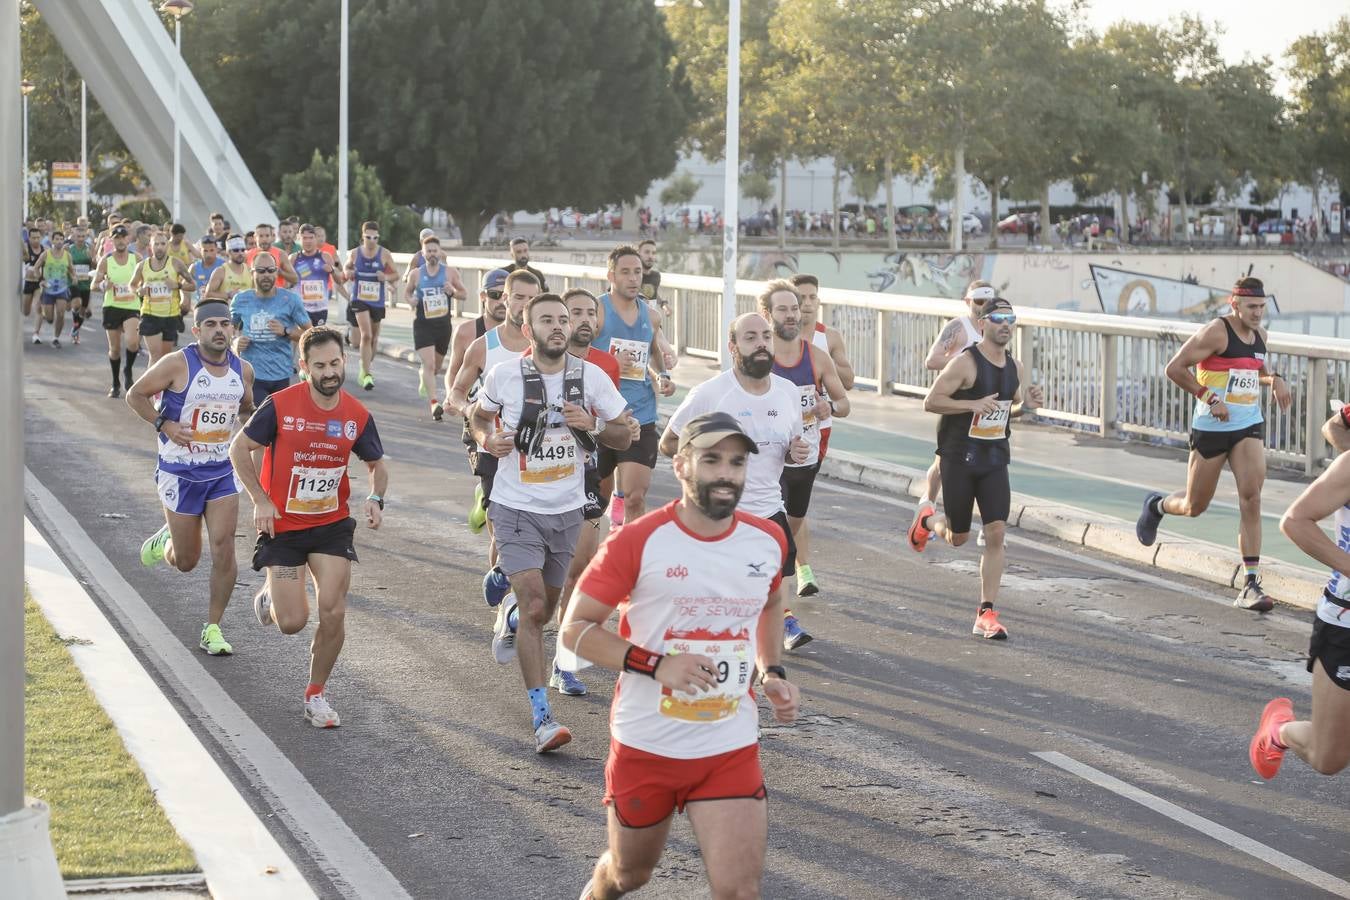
233 282
182 254
159 289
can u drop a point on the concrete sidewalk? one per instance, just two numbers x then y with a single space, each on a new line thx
1072 485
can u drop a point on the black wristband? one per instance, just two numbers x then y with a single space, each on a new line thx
641 661
775 670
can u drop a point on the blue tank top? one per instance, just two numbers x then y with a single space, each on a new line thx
634 382
202 275
368 289
802 373
207 409
430 301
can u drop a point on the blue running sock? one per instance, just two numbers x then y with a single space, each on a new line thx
539 705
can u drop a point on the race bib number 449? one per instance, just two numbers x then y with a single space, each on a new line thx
555 460
313 491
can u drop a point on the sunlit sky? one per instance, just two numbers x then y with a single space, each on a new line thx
1251 27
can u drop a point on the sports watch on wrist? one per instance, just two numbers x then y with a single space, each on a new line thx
776 671
377 499
159 421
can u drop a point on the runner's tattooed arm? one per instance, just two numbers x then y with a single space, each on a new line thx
941 352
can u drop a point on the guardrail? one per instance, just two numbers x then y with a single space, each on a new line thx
1101 373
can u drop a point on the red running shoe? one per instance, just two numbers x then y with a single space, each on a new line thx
988 626
918 535
1265 755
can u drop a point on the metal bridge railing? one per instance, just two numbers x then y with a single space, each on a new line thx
1101 373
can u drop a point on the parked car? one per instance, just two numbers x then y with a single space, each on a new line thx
1017 223
970 223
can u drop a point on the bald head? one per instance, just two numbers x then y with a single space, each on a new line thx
751 341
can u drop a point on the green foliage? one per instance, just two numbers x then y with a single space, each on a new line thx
150 211
1319 67
757 186
680 190
311 195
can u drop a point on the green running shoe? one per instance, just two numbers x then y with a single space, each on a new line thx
213 642
477 514
152 551
806 582
367 382
422 390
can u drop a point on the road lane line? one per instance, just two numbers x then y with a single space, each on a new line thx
1220 833
345 860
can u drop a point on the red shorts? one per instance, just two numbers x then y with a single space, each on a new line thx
824 442
645 789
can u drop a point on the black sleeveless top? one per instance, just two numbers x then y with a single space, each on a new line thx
982 440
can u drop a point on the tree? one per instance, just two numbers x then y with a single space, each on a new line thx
311 195
757 187
1319 69
526 105
680 190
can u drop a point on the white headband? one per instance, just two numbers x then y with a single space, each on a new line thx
981 293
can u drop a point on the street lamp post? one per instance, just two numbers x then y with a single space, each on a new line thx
342 137
731 186
177 9
84 148
25 88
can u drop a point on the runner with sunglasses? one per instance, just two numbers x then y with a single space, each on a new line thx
234 276
978 395
267 321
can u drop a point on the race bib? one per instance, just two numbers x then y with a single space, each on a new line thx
211 424
809 399
122 293
81 271
555 459
1244 387
733 666
368 291
314 294
991 426
313 491
637 370
159 298
434 303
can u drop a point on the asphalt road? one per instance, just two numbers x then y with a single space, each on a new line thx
910 774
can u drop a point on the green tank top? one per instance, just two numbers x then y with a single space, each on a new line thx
83 263
119 294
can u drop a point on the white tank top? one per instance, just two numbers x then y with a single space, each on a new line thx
973 336
1339 585
820 338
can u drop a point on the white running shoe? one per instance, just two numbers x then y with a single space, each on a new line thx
979 539
319 714
503 638
550 735
262 607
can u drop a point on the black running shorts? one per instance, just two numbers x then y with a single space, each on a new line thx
1331 644
966 484
432 333
113 318
1210 444
790 563
593 509
164 326
796 483
293 548
643 450
376 312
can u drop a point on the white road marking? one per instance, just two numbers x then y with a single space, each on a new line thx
347 862
1240 842
232 845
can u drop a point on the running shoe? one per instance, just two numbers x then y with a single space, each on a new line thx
36 340
988 626
616 511
1146 528
477 512
550 735
794 635
213 642
503 635
919 536
1254 597
368 382
495 586
806 582
56 342
1264 753
75 333
586 891
152 551
979 538
566 683
437 411
421 390
262 607
114 392
319 714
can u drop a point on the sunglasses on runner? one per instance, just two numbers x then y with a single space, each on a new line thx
370 237
495 295
1001 318
270 270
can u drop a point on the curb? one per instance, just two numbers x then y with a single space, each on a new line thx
1297 586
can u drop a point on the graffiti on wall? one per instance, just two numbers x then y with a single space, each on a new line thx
1125 293
923 274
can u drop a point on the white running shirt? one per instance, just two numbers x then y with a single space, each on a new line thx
771 420
677 592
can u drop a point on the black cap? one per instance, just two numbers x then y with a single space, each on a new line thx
706 430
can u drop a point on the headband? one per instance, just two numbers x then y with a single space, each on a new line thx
234 244
1249 292
982 293
211 309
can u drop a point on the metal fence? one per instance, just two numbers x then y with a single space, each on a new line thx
1102 374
